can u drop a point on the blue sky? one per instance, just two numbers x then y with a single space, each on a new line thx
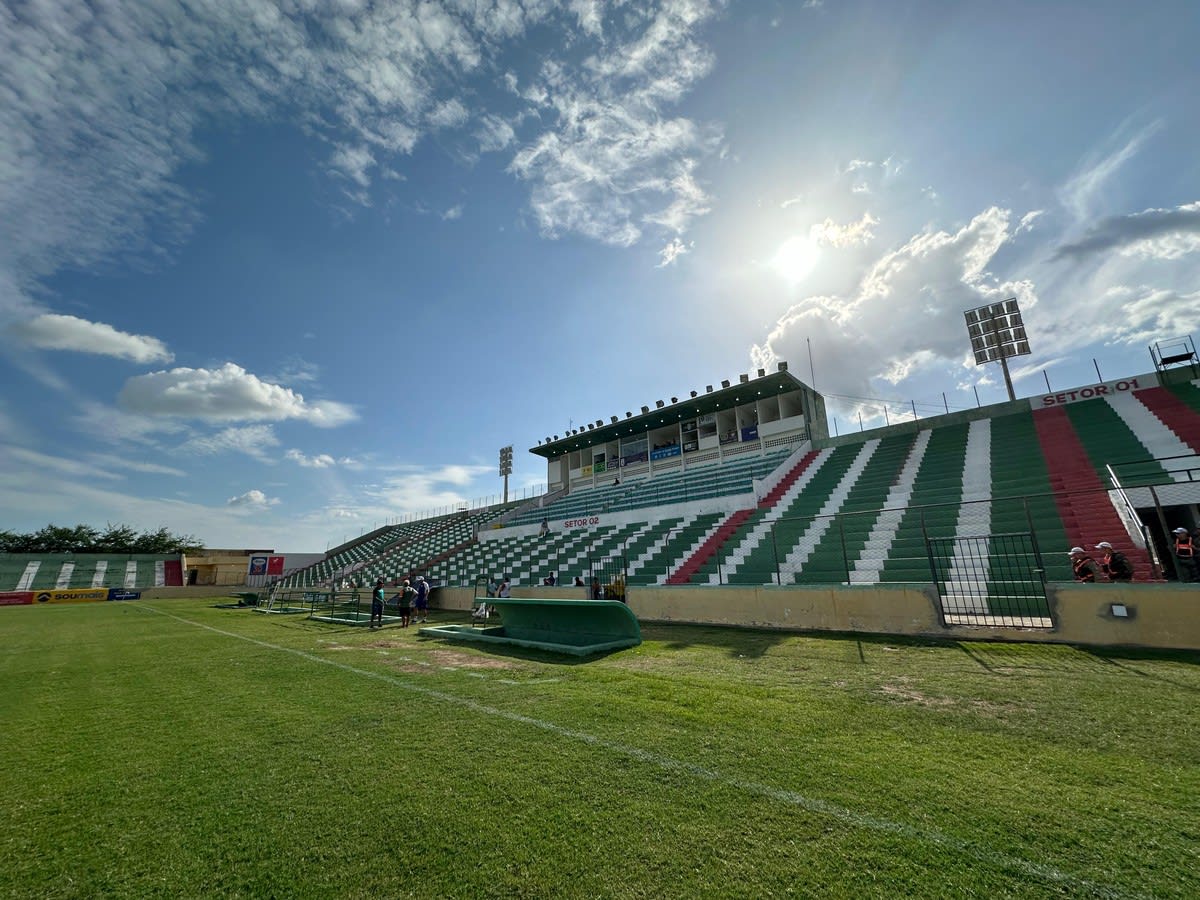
272 274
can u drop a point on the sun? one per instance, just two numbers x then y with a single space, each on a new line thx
796 258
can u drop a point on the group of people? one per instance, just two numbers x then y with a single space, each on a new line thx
412 602
499 588
1113 565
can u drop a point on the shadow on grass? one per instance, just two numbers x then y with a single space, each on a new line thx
754 643
1123 659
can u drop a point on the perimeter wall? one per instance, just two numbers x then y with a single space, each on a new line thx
1156 615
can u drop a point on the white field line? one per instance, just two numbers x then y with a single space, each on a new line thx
814 805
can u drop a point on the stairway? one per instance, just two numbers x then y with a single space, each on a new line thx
1174 413
1082 498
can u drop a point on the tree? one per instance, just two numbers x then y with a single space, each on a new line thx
115 539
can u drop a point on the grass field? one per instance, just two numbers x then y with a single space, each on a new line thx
171 749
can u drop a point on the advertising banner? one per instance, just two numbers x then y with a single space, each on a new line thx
16 598
71 595
119 594
665 452
274 565
258 565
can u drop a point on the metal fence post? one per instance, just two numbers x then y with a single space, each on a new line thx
1162 521
929 555
775 550
845 555
1037 551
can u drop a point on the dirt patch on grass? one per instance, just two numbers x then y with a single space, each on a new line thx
912 695
903 692
467 661
439 658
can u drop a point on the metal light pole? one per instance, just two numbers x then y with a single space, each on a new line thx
506 467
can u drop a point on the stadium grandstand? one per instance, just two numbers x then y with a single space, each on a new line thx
742 484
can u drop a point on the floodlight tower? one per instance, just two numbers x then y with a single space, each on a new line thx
506 467
998 332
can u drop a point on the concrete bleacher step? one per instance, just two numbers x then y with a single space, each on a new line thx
835 549
705 563
1177 418
750 554
1084 508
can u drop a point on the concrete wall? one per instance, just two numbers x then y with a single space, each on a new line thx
1165 616
1158 615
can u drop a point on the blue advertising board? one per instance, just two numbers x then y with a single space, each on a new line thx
117 594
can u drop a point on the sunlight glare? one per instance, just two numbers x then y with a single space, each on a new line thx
796 258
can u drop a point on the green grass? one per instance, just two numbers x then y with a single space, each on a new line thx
148 755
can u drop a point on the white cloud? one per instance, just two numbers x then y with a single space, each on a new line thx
59 465
673 250
1082 189
417 488
58 332
905 316
1027 220
833 235
227 394
112 461
252 440
596 170
252 500
454 212
354 163
494 134
1151 234
320 461
116 426
448 114
101 105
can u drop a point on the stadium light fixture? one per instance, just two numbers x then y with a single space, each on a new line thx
997 332
743 378
725 383
506 466
782 366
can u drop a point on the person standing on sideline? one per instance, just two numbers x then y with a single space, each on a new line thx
407 596
1086 569
422 602
1116 565
503 589
377 604
1185 556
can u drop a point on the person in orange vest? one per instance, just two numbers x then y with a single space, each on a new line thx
1116 565
1086 569
1185 556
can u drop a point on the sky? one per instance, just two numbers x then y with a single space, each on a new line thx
274 274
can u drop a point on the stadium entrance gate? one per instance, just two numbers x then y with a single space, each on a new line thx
609 572
991 579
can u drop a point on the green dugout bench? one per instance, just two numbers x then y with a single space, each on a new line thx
576 627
